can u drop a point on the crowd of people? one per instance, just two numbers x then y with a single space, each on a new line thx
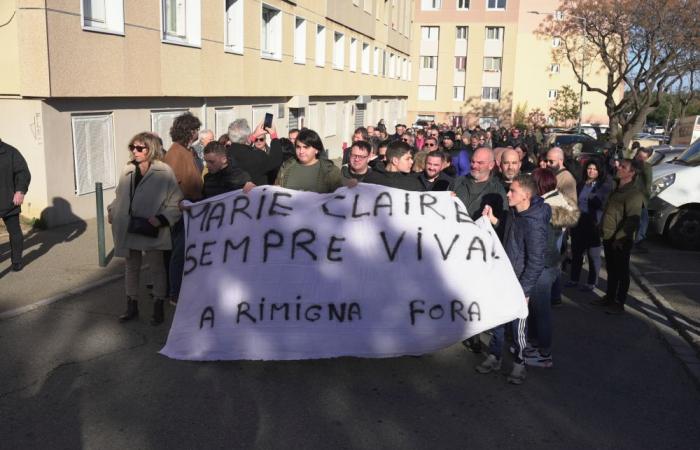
542 204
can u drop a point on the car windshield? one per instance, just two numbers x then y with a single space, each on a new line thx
691 157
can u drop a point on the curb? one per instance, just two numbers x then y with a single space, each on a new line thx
675 335
60 296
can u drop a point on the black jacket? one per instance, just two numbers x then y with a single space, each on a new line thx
258 164
14 177
227 179
347 175
441 183
399 180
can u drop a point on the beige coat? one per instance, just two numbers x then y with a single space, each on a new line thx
156 194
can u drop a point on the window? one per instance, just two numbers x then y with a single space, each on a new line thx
367 5
492 64
365 58
558 15
429 33
376 61
93 152
181 22
234 26
392 66
457 92
222 119
552 94
428 62
320 45
495 4
161 121
462 4
427 5
556 42
495 33
271 33
460 63
296 118
330 119
299 40
356 2
554 68
426 92
353 55
338 50
461 32
490 93
385 63
103 15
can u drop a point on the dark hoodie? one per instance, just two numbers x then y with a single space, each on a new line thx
525 241
399 180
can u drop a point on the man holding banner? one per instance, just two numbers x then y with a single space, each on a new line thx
524 238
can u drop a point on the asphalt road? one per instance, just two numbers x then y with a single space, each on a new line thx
73 377
675 273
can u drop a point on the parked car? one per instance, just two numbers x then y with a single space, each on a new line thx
581 146
674 208
665 153
596 131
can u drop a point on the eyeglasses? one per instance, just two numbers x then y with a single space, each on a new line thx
260 139
359 156
138 148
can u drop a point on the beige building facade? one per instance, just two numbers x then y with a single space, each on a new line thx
80 77
478 61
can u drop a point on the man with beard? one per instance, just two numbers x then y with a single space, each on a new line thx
566 183
432 177
510 167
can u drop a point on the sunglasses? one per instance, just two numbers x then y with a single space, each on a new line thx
138 148
262 139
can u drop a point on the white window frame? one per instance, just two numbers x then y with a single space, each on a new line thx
490 64
556 41
233 19
498 31
109 176
338 50
493 5
190 26
299 40
554 68
429 33
428 62
165 133
430 5
366 51
375 67
271 34
491 90
353 55
458 93
459 29
460 67
227 113
462 5
552 94
320 55
111 23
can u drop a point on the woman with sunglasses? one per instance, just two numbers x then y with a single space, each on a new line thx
309 170
145 206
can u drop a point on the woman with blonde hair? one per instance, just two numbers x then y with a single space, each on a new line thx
145 206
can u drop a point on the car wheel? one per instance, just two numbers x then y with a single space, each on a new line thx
684 229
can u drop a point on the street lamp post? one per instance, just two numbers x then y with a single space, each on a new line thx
583 59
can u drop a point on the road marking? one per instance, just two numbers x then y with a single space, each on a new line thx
675 284
669 271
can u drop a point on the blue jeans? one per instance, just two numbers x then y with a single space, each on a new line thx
540 318
496 344
643 225
177 258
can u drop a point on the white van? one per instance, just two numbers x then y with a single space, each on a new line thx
674 209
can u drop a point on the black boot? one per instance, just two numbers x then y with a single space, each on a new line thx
158 313
132 310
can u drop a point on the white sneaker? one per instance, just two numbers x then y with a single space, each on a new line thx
489 365
517 375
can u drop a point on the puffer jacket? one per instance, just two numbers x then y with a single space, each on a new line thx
525 241
565 214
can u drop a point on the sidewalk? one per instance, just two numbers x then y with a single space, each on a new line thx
57 262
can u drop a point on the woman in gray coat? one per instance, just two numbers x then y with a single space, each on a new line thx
145 206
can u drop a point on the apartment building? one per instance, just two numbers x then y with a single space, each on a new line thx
80 77
480 60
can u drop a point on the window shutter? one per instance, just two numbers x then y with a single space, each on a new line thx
223 118
93 152
161 123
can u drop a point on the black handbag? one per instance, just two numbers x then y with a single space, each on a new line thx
139 225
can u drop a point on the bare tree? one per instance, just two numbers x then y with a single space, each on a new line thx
643 48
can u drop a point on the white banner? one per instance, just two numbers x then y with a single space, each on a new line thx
369 271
